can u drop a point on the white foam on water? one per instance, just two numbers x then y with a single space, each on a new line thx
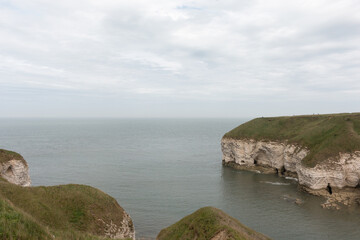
291 178
275 183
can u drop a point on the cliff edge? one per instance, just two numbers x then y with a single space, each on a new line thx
321 151
56 212
14 168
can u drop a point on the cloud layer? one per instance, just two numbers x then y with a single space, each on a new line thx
179 58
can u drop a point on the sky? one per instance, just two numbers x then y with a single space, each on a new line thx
166 59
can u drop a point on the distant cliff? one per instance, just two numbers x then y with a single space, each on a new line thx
56 212
322 151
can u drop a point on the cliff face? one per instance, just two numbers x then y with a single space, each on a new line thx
15 171
249 153
340 172
121 230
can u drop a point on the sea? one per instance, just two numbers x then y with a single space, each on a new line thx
160 170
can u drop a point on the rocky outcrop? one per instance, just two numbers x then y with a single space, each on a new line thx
121 230
340 172
249 153
15 171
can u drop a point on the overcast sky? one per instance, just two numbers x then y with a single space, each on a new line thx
162 58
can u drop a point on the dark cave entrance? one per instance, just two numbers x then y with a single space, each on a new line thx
329 189
281 172
9 171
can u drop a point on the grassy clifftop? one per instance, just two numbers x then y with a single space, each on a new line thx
209 223
66 212
324 135
6 155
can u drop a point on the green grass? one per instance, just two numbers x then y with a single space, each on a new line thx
16 225
6 155
205 224
324 135
67 211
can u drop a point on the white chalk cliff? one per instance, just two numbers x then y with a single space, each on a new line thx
124 229
340 172
15 171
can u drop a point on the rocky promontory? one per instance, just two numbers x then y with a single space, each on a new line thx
321 151
14 168
56 212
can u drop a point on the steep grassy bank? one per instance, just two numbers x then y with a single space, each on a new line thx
66 212
209 223
324 135
15 224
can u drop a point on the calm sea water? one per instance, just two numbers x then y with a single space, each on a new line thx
160 170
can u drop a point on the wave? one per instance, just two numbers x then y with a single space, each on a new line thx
291 178
275 183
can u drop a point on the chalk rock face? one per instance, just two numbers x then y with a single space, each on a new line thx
264 153
122 230
16 172
341 172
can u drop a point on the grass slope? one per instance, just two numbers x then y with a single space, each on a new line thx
208 223
324 135
16 225
6 155
67 211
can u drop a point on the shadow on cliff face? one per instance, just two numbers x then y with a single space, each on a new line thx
9 172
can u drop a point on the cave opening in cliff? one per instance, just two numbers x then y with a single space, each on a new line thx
9 171
283 170
255 161
329 189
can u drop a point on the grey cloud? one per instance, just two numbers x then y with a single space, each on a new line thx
178 51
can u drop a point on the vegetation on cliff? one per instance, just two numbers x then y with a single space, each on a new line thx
324 135
65 212
209 223
6 155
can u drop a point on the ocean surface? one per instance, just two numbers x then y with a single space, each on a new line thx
160 170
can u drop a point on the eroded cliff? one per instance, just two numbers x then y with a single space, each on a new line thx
283 158
322 151
14 168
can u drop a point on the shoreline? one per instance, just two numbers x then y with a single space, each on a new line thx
340 197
